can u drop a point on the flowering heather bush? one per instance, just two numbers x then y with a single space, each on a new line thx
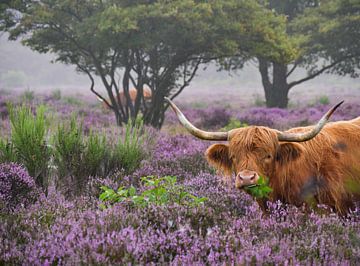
205 118
17 188
228 228
262 116
179 155
3 109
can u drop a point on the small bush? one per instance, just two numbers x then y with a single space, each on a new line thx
234 123
28 95
215 117
17 187
129 151
259 100
96 155
72 100
324 100
28 137
56 94
68 151
77 158
7 152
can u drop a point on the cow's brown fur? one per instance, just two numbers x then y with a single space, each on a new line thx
132 93
325 169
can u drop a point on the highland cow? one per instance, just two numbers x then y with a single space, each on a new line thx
121 98
315 164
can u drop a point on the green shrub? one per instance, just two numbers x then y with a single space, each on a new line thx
56 94
129 151
7 151
68 150
161 191
72 100
77 158
259 100
233 123
96 155
28 138
324 100
28 95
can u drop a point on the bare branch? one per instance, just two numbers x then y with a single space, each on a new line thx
187 82
292 70
317 73
92 87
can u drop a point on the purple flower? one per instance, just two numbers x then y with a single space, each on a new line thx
17 188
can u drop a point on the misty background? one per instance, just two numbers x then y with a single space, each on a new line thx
23 69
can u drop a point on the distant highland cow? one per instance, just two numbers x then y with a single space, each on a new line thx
147 93
314 164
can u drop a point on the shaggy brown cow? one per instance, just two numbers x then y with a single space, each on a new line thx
318 163
133 93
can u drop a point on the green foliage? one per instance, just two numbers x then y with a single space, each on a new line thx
76 158
161 191
330 32
259 101
151 40
96 155
56 94
129 150
28 95
72 100
261 189
233 123
7 151
324 100
68 150
28 138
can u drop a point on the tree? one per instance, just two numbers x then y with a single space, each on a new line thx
326 34
160 44
335 27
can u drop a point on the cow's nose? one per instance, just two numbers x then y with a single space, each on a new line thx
246 178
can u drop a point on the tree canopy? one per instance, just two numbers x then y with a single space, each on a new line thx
331 33
325 34
137 43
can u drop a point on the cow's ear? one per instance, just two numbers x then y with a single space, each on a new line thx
218 156
288 152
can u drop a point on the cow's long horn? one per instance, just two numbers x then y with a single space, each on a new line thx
195 131
299 137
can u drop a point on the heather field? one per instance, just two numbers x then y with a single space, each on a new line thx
77 190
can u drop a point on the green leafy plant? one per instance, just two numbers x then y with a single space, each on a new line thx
161 191
28 138
234 123
261 189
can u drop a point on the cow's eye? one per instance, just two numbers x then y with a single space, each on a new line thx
268 157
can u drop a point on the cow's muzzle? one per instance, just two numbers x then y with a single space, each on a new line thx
246 178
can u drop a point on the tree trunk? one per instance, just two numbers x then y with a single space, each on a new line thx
276 92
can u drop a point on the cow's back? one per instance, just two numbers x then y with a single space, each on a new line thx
332 158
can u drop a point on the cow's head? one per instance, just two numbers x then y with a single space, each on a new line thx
253 151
